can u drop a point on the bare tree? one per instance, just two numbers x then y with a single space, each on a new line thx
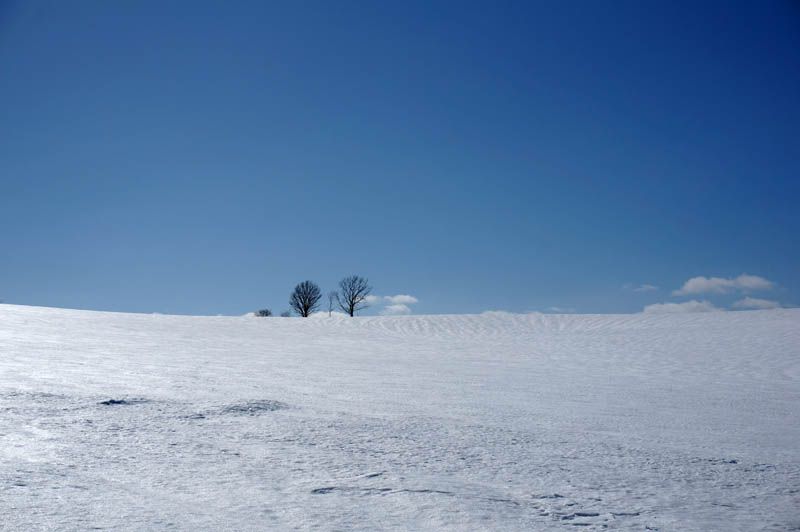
286 314
353 292
305 298
264 313
332 298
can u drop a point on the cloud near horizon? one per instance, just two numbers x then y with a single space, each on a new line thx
755 303
640 288
373 300
645 288
561 310
721 285
396 305
401 299
395 310
687 306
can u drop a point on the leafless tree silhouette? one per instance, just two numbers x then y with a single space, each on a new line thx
353 291
305 298
333 297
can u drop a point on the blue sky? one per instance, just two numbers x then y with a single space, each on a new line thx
203 157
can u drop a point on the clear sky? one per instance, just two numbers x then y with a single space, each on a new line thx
203 157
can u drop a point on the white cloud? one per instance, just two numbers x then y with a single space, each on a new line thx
753 282
645 288
392 305
395 310
640 287
688 306
755 303
561 310
401 299
372 300
721 285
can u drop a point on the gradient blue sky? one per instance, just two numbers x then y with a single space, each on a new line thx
202 157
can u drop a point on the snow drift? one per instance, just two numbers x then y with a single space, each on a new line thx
496 421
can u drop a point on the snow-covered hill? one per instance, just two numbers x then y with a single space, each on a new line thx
495 421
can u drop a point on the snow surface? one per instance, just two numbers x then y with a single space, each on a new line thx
495 421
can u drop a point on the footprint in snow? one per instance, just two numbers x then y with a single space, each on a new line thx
121 402
252 408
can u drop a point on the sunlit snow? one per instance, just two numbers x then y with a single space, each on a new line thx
494 421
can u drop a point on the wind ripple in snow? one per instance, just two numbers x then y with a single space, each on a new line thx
497 421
